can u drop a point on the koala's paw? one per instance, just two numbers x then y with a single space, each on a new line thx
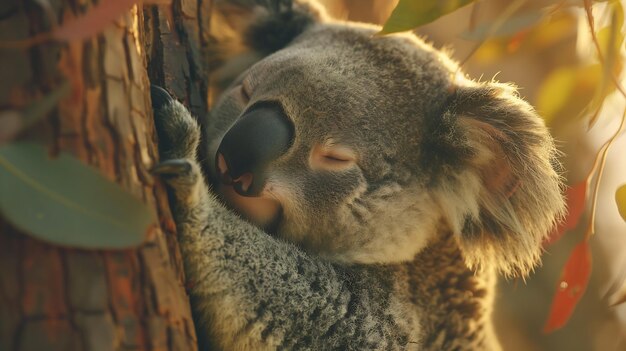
177 129
182 175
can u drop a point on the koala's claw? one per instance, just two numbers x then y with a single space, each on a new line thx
160 97
171 168
177 130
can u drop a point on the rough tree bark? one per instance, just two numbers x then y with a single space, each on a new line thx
54 298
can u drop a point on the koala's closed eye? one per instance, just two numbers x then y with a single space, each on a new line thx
244 93
332 157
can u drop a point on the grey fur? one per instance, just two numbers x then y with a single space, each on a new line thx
455 181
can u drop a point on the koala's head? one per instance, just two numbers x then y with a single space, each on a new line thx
362 149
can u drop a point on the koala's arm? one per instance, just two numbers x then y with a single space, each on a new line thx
252 291
255 291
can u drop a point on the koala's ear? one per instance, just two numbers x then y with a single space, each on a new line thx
504 194
245 31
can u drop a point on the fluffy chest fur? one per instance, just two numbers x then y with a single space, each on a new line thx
453 302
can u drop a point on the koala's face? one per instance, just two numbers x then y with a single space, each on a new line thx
356 147
349 182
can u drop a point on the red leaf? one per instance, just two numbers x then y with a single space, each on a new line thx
571 287
92 22
576 197
516 41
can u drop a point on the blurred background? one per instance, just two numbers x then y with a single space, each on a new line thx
545 48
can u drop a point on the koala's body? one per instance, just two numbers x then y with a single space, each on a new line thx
365 193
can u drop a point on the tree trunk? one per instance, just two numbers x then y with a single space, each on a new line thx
55 298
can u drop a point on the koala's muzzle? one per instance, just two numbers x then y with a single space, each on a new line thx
260 135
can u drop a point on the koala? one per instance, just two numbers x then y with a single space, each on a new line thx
351 191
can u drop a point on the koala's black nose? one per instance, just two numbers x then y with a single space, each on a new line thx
261 135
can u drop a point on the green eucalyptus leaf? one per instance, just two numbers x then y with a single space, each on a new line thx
409 14
65 202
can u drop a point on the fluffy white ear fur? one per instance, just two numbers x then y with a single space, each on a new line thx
510 191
